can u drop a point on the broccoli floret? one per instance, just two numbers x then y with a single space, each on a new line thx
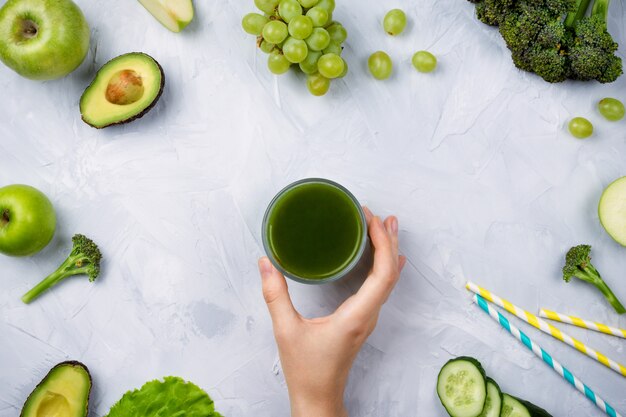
547 57
83 260
592 54
578 264
535 33
493 12
521 27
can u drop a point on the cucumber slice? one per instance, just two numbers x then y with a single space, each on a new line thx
493 404
462 387
612 210
514 407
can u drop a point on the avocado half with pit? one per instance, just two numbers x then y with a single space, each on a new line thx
124 89
64 392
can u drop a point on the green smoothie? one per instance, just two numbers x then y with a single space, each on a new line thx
314 229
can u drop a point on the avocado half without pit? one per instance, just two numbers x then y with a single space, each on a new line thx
124 89
64 392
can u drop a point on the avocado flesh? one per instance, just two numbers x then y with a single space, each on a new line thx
124 89
64 392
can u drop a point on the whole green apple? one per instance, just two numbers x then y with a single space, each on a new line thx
27 220
43 39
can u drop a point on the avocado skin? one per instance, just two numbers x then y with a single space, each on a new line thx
146 110
55 367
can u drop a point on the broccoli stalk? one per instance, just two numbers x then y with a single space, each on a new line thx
575 15
578 264
83 260
601 9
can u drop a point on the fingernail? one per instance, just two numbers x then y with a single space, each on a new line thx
265 266
394 225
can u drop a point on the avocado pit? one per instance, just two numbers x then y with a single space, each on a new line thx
125 87
53 405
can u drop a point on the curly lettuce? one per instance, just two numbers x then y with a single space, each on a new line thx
172 397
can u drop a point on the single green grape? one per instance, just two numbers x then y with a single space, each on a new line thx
580 127
288 9
318 40
612 109
318 16
266 47
394 22
253 23
300 27
333 48
309 65
337 32
328 5
277 63
266 6
307 4
380 65
345 69
330 65
295 50
424 61
317 84
275 31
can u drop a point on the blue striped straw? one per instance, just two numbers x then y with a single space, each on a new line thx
537 350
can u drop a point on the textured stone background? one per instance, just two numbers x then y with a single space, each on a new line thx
474 159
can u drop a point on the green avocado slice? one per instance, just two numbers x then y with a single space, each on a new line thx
124 89
64 392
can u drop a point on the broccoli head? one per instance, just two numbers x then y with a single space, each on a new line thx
554 38
578 265
84 259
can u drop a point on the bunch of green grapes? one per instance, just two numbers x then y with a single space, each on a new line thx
303 35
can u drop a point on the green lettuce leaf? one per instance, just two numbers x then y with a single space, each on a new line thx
172 397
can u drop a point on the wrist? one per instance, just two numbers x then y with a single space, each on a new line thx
318 407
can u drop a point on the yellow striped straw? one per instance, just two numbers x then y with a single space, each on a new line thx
585 324
546 327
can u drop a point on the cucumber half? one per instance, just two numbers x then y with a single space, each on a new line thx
514 407
612 210
493 404
462 387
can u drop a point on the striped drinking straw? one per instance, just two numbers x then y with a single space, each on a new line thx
547 358
546 327
585 324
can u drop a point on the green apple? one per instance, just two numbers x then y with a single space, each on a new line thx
43 39
27 220
173 14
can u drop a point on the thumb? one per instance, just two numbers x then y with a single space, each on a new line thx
276 293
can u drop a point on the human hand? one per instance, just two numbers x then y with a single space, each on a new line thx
317 354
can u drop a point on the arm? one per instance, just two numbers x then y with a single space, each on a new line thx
317 354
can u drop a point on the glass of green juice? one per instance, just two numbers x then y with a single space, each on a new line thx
314 232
